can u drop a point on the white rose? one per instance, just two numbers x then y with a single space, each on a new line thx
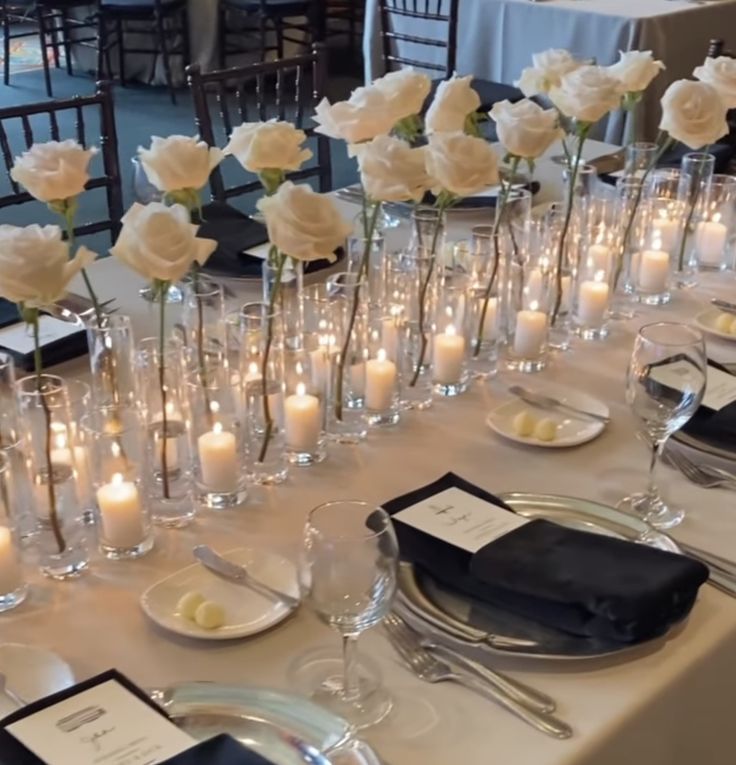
391 171
406 91
54 170
693 113
367 113
635 69
548 68
261 146
460 164
302 223
525 129
34 264
179 162
586 94
452 103
721 74
159 242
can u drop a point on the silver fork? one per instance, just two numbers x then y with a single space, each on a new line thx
707 477
429 668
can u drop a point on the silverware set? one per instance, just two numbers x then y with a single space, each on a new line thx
703 475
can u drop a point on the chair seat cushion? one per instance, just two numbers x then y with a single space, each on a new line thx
275 7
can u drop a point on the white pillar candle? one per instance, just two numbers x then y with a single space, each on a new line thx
218 459
303 420
10 573
592 302
667 232
121 513
599 257
447 356
390 338
531 332
380 382
710 241
654 267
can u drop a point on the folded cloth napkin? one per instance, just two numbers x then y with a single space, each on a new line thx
717 428
8 313
581 583
220 750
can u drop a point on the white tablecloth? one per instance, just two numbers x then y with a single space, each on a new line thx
496 39
664 704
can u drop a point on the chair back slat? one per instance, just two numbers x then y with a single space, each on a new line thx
439 16
66 119
273 89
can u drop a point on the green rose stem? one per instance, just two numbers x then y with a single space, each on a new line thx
369 228
494 271
444 200
161 287
273 256
30 317
582 131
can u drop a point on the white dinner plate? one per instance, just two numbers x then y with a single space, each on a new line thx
31 673
571 431
706 320
246 611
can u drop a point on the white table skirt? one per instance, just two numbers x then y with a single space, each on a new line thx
496 40
669 703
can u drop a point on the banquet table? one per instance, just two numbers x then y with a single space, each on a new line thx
496 40
666 703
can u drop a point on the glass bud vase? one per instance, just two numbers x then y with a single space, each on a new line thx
51 457
290 302
165 408
357 246
13 587
203 317
262 374
112 361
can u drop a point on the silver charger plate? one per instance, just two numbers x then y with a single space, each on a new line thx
544 642
264 720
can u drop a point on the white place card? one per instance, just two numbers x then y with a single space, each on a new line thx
720 387
19 337
103 725
460 519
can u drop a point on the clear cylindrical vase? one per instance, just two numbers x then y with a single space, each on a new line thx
13 587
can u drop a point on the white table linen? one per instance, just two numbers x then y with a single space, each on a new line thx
668 703
496 40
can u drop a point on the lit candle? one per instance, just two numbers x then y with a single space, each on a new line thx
654 268
447 357
218 459
531 332
599 257
303 420
593 301
121 513
170 439
10 573
710 241
380 382
667 231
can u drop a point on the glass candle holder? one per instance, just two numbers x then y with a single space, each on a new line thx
13 587
592 294
666 208
9 426
713 233
306 374
49 443
382 373
450 347
633 212
164 406
112 361
122 515
639 157
262 372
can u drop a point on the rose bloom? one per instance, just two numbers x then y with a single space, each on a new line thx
454 100
160 243
548 68
367 113
179 162
273 145
303 224
53 171
635 69
391 170
588 93
406 91
721 74
693 113
460 164
525 129
35 269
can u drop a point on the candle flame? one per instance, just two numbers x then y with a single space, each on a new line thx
60 440
217 427
599 276
117 479
299 368
301 389
169 407
253 368
381 355
214 407
716 217
450 330
534 305
657 243
115 449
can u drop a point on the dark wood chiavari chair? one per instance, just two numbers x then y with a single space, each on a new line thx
69 118
440 18
716 48
344 18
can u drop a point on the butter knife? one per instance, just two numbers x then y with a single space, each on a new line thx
232 572
547 402
724 305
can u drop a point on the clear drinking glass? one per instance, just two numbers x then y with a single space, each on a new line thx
348 576
665 383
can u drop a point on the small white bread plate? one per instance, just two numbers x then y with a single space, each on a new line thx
246 611
571 430
706 320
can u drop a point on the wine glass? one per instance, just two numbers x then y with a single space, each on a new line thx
665 383
348 576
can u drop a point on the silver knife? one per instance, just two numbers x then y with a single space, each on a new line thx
547 402
232 572
724 305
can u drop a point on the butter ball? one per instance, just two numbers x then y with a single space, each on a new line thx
524 423
546 430
724 322
189 603
209 615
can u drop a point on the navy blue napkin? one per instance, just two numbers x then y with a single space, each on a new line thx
717 428
220 750
580 583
